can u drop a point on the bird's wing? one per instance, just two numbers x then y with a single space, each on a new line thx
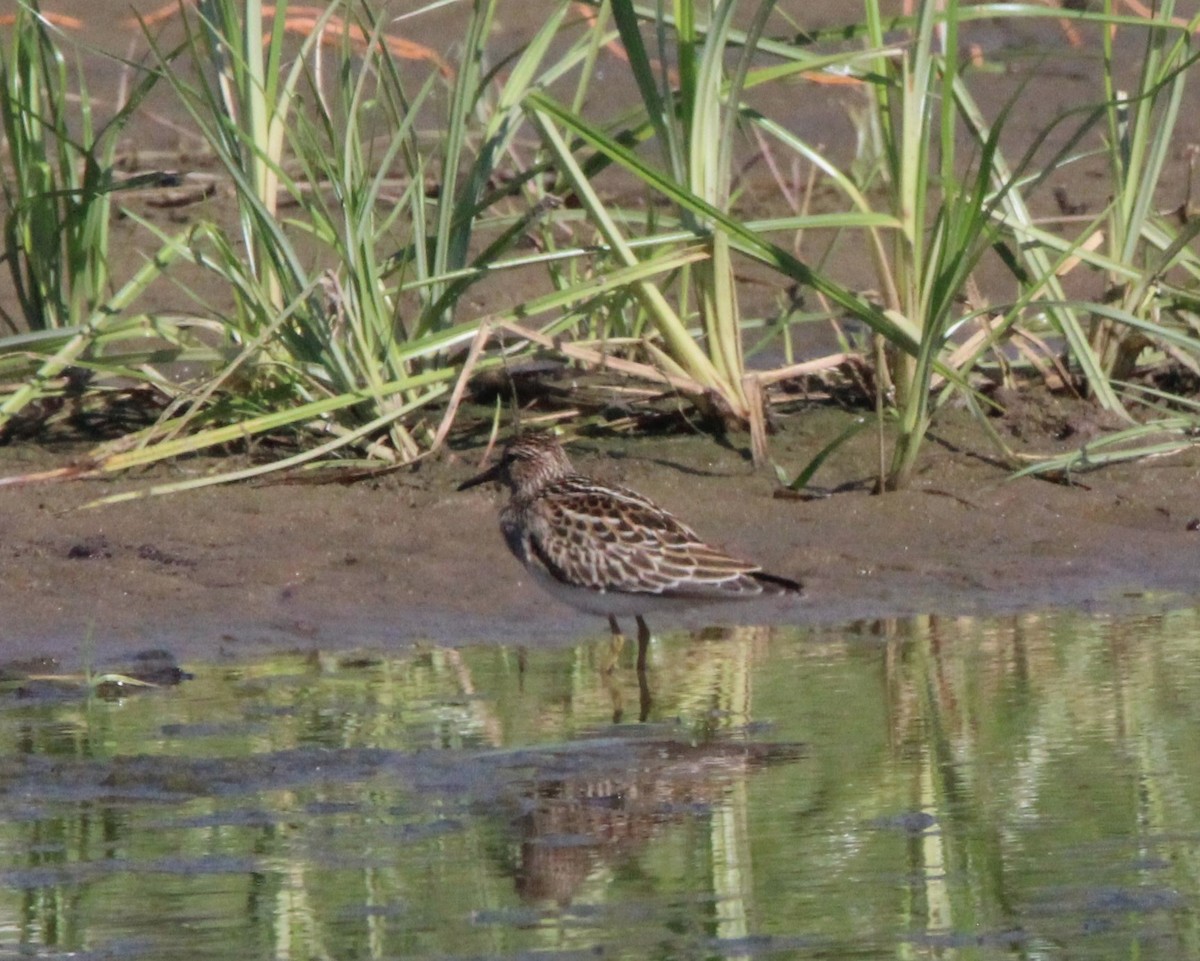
612 539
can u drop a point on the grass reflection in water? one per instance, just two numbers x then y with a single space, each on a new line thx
932 786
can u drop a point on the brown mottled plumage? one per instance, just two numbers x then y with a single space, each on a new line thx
608 550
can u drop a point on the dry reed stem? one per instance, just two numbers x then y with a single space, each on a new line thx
57 19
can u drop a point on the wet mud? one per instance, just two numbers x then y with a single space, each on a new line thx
404 560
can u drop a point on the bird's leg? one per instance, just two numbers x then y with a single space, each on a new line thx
615 645
643 643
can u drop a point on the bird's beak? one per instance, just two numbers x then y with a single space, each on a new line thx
492 473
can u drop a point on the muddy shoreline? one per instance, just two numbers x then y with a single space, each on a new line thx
241 570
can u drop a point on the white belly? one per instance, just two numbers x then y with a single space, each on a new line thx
605 602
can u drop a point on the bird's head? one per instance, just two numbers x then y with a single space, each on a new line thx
529 462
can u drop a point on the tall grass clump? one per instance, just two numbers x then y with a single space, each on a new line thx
359 231
365 213
306 349
1151 245
938 219
692 129
691 108
58 186
935 163
946 206
1143 318
59 181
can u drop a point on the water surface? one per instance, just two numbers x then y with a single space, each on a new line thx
1020 787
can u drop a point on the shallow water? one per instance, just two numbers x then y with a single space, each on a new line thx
1024 787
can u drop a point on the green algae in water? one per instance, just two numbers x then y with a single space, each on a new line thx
976 788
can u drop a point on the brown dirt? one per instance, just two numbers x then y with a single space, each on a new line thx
241 569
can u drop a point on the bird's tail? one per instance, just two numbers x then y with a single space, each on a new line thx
774 584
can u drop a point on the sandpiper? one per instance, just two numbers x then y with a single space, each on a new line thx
608 550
